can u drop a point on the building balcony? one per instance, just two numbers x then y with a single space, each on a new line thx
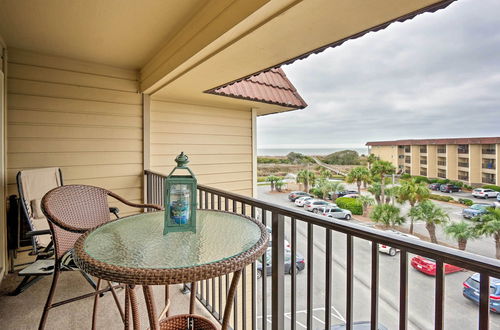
463 164
489 179
441 175
488 166
441 164
463 177
423 162
441 150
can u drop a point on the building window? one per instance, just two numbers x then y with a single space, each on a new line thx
488 149
463 162
442 174
463 148
408 160
407 148
464 176
489 178
441 149
489 164
423 149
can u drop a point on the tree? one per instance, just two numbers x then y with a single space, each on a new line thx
279 185
306 177
370 160
412 192
376 190
344 157
358 175
273 179
432 215
388 215
462 232
334 187
381 168
325 173
366 201
489 225
390 194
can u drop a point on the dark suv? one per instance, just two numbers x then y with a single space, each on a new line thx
435 186
296 194
449 188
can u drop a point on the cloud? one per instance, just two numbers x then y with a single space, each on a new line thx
437 75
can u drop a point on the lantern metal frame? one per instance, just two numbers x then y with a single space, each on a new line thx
189 181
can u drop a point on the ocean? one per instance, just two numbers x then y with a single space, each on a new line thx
305 151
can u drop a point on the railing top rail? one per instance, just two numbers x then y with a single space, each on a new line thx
446 254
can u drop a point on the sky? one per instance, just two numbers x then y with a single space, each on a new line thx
435 76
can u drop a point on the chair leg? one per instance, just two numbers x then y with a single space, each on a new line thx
87 277
117 301
48 303
25 283
96 300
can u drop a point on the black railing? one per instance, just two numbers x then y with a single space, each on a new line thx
408 160
423 161
463 164
442 175
423 150
251 306
441 163
490 180
441 151
489 166
423 172
407 150
463 177
490 151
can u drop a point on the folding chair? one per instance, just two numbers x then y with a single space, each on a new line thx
72 210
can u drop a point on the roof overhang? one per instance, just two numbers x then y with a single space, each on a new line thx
417 142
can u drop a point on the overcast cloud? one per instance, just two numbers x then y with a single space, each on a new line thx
435 76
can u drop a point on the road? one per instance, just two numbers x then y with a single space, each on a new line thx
459 312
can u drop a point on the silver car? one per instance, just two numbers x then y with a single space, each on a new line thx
338 213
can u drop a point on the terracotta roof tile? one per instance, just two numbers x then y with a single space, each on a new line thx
271 86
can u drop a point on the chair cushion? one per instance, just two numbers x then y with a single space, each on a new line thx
36 209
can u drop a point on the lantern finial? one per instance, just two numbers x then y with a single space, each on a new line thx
182 160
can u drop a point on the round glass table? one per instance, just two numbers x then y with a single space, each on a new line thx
133 250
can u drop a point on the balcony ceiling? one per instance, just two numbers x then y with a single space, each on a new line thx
183 48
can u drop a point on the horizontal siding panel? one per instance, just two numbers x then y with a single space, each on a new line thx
213 169
235 186
200 139
36 73
44 103
180 108
55 118
190 128
175 149
91 171
26 57
28 87
179 118
73 132
34 160
168 160
16 145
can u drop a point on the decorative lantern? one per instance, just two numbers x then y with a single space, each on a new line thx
180 199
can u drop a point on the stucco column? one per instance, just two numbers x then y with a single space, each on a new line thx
415 160
497 163
475 161
432 161
451 162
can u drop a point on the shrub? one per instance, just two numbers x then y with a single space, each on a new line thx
443 181
467 187
316 192
465 201
405 176
351 204
441 198
492 187
433 180
337 176
419 179
459 184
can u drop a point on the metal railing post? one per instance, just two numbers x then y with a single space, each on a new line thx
278 264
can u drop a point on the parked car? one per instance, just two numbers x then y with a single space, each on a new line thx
270 242
351 195
362 325
497 203
392 250
300 263
476 210
435 186
336 212
449 188
313 205
471 291
301 200
296 194
428 266
484 193
346 192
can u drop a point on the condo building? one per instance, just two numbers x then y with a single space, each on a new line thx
471 160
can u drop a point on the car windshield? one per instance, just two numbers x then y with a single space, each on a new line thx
478 207
475 285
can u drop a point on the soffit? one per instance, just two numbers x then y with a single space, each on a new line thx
271 37
121 33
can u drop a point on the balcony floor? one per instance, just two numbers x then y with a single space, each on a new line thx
24 311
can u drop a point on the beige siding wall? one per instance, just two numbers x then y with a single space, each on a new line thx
84 118
218 142
387 153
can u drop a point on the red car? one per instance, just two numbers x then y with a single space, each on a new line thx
428 266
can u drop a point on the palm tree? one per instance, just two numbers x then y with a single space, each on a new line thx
413 192
366 201
388 215
308 178
331 187
432 215
376 190
381 168
325 173
359 175
273 179
490 226
390 194
371 159
462 232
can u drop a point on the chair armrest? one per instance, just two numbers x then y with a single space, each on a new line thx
142 206
38 233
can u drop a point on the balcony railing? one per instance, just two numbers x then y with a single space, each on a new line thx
463 164
441 163
488 179
463 177
441 151
488 151
489 166
441 175
423 162
407 150
307 228
408 160
463 149
423 172
423 150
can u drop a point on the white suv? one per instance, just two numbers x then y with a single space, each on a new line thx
389 249
484 193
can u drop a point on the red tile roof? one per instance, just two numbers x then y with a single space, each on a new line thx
478 140
270 86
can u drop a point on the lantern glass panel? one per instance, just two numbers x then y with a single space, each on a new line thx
180 204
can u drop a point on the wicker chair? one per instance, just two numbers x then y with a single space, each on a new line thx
72 210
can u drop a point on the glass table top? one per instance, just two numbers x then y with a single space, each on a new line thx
138 241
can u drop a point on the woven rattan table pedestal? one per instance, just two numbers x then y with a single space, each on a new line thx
134 251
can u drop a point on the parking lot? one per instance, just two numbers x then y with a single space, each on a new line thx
460 313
